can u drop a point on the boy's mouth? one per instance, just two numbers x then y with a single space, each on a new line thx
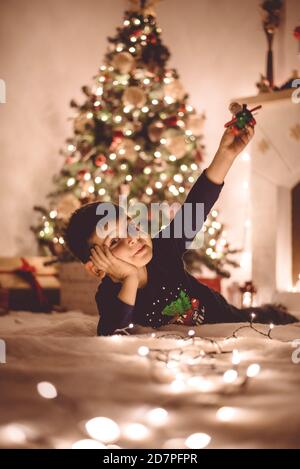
140 249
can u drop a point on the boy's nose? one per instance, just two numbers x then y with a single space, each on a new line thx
132 240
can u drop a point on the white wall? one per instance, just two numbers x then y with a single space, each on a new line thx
50 48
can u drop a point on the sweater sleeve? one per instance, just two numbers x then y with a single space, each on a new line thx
188 221
114 313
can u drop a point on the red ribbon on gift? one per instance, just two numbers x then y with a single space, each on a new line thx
28 272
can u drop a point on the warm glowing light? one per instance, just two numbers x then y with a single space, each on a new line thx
191 333
157 416
70 182
13 433
149 191
225 414
53 214
198 440
230 376
236 359
253 370
103 429
143 351
172 158
177 385
88 444
47 390
169 99
135 431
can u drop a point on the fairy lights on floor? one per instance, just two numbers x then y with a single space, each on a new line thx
103 429
191 365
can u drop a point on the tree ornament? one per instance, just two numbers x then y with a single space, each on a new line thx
171 121
66 205
157 93
174 90
134 96
100 160
124 62
118 136
177 146
81 173
127 151
155 131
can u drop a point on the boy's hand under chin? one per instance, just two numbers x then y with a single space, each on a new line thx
106 263
94 271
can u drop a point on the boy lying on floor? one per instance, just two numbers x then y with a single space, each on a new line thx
143 279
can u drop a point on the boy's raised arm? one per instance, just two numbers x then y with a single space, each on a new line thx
204 193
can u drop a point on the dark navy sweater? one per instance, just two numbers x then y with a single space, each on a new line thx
168 281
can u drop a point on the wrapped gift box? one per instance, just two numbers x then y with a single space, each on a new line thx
26 283
78 288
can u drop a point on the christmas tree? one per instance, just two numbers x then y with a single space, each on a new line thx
135 133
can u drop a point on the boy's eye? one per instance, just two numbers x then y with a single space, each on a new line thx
114 241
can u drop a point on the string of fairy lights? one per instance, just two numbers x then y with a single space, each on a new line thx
193 366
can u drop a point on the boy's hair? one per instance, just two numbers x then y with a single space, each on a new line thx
82 225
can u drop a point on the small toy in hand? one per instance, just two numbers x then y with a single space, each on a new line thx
242 117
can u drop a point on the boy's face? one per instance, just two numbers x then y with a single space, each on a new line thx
134 247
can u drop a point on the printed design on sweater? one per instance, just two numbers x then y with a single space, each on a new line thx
185 310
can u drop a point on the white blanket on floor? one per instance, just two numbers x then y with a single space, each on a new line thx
106 376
